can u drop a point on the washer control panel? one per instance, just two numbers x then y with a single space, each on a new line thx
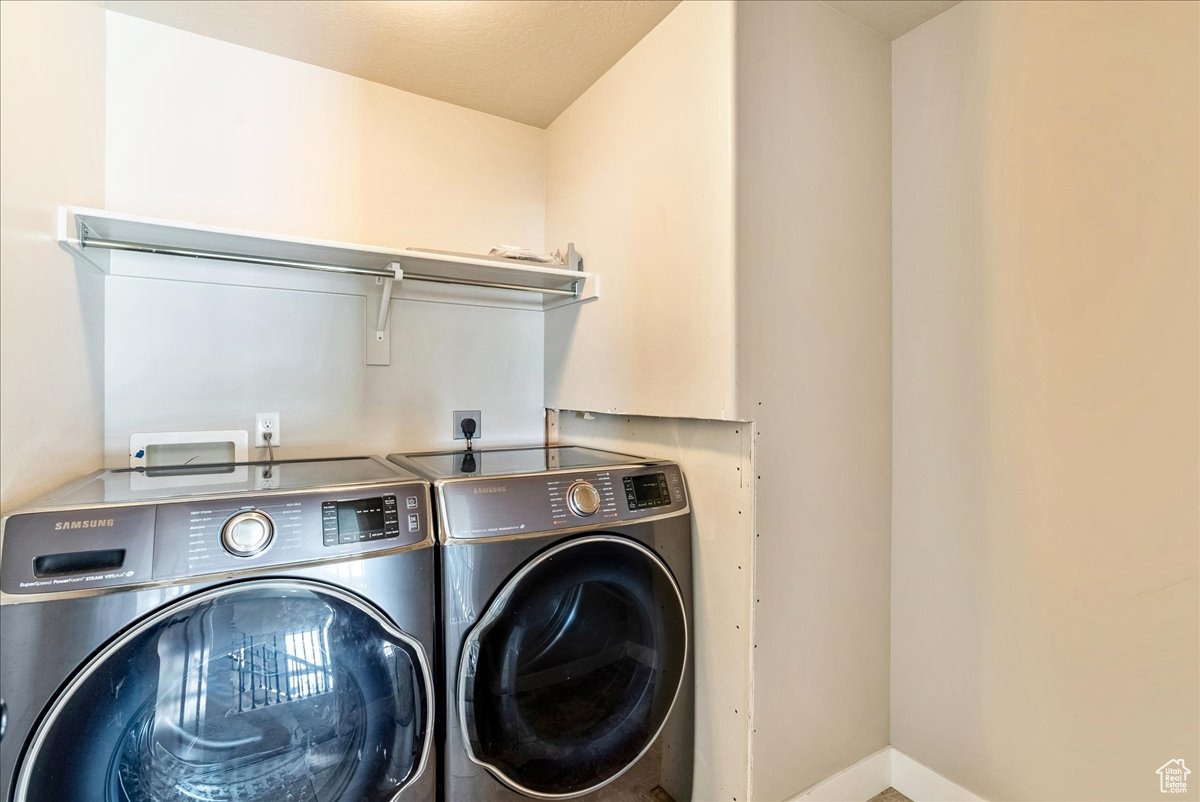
359 520
535 503
73 549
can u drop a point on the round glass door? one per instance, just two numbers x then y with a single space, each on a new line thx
260 690
571 672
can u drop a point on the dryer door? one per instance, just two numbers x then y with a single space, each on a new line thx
257 690
571 672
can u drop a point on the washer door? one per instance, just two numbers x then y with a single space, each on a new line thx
259 690
571 673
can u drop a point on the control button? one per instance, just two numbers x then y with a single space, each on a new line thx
414 522
583 499
247 533
410 502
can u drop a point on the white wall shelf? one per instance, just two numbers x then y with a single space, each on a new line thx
92 234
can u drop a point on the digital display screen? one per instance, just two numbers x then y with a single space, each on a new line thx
361 517
647 490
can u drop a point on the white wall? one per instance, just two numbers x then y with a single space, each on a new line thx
717 461
51 310
639 174
1047 343
814 372
209 132
200 356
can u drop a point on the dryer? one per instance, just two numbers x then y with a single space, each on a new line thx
249 632
566 619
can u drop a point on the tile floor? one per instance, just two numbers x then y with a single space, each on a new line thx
889 795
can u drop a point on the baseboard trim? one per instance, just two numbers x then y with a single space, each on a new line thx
920 783
858 783
889 767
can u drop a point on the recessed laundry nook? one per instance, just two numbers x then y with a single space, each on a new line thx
656 401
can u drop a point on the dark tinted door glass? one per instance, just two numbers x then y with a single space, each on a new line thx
257 691
572 672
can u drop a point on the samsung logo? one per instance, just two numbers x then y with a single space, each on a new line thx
94 523
492 489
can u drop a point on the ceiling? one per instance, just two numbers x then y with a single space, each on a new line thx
891 18
526 61
522 60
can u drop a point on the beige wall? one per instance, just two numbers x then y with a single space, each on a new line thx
220 134
639 174
1044 587
51 311
814 372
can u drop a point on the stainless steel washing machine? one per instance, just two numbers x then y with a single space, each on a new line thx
238 632
566 620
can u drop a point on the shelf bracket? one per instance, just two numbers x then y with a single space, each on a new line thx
379 331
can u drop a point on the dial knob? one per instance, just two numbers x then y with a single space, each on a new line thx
583 499
247 533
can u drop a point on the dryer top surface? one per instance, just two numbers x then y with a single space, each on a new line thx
482 464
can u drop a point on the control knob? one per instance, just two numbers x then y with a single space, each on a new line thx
583 499
248 533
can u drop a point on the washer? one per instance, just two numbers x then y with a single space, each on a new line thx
566 620
249 632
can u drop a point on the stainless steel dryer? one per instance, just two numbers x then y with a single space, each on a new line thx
566 611
238 632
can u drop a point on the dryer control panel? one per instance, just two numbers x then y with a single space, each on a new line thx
559 500
52 551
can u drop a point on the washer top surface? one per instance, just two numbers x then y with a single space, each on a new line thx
510 461
123 486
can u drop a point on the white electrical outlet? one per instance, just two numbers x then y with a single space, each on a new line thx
264 423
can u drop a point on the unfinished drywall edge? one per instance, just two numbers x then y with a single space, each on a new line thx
716 457
814 372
